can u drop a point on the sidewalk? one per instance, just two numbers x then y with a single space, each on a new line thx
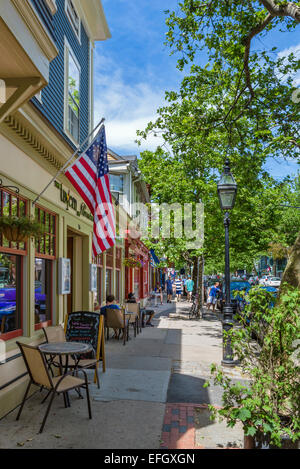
151 394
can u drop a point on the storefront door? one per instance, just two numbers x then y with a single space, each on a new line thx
70 246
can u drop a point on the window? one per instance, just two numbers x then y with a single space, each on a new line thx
11 205
98 294
72 100
42 292
108 282
118 286
10 295
73 18
118 273
137 283
45 246
116 183
45 252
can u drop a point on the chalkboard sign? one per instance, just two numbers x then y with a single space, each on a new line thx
86 327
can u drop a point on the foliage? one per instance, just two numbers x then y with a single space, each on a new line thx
269 404
25 225
131 262
220 110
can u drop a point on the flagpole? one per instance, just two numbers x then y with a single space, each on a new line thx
66 164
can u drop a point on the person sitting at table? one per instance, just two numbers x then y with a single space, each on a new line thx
110 303
150 313
131 298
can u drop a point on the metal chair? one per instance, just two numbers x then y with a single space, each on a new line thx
116 319
135 317
57 334
39 375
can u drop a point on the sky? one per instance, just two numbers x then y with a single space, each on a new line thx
133 69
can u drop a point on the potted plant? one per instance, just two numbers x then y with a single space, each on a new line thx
19 229
131 262
267 402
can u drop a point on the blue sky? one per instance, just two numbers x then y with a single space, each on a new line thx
133 70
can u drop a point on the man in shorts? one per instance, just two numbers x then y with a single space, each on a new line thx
212 296
189 288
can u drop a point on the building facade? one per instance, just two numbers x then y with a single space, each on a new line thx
46 111
131 192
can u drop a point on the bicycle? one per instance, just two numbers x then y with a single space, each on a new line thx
193 313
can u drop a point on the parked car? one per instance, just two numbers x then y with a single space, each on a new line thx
264 279
237 301
273 282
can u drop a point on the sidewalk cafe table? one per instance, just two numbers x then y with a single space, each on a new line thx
60 349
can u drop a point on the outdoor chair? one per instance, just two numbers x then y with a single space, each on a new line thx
57 334
116 319
135 317
39 375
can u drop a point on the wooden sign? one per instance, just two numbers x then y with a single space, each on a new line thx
87 327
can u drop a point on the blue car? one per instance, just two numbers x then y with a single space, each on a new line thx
237 301
8 306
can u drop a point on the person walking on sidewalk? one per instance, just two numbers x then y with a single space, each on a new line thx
189 288
169 288
212 296
178 284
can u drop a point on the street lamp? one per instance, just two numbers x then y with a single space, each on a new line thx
227 189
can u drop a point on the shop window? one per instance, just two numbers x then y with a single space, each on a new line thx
10 295
137 283
108 282
110 258
43 292
12 205
45 246
118 285
98 260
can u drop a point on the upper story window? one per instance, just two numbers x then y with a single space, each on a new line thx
116 183
72 93
73 17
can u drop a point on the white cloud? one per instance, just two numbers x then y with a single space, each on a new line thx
126 106
296 51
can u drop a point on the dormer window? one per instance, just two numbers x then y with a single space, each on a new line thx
73 17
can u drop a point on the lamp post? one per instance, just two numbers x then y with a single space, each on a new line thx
227 189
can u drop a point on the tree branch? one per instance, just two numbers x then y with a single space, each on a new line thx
289 9
247 41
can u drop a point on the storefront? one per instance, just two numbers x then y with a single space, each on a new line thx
35 291
137 277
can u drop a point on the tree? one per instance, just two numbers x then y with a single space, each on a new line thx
224 110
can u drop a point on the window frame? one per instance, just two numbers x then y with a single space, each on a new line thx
71 19
69 51
47 323
43 255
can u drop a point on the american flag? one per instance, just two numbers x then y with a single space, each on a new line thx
89 176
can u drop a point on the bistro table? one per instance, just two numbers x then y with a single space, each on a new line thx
74 349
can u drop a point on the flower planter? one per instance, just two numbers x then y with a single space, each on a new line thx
14 234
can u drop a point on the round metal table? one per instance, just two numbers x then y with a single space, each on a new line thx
65 348
76 349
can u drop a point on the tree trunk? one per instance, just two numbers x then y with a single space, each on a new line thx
200 286
198 280
291 274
